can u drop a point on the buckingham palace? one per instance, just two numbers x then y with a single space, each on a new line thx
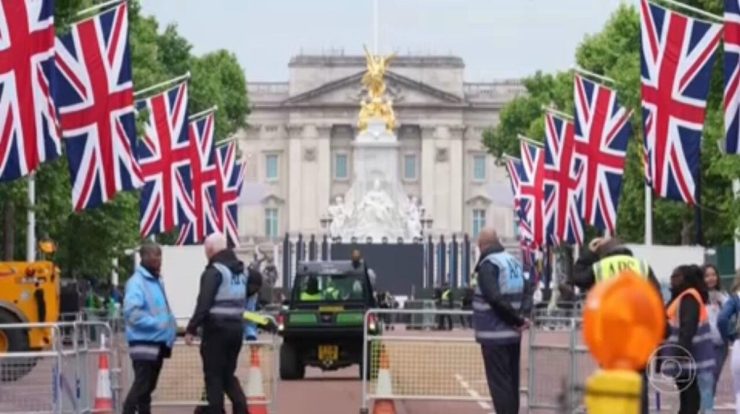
299 140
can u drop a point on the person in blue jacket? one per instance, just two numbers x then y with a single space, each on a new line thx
150 328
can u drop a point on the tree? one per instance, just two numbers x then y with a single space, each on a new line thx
614 52
89 240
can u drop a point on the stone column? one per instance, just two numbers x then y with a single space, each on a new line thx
457 179
427 175
323 184
294 167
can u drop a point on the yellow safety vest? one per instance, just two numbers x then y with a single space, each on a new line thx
612 266
305 296
331 293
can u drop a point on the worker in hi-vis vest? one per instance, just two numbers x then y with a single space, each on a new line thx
311 292
607 258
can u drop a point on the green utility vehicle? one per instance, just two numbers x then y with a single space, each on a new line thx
323 323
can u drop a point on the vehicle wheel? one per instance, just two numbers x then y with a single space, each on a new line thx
291 366
13 340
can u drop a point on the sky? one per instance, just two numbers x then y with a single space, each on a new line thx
497 39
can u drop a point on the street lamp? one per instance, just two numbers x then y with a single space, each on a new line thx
325 221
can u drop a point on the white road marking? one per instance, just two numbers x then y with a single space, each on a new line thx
473 393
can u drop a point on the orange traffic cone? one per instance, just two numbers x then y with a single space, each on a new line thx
104 392
256 398
384 388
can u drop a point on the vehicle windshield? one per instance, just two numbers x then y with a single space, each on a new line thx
330 288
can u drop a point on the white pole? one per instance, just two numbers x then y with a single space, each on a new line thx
375 26
648 215
736 190
114 273
31 215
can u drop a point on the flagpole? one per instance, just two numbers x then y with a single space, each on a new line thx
716 18
556 112
648 215
529 140
594 75
736 190
201 114
31 217
697 210
375 26
99 6
162 84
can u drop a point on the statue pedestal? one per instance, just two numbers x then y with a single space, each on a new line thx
375 154
376 206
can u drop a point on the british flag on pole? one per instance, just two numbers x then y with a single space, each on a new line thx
514 168
531 190
602 131
207 178
562 182
732 76
96 105
228 197
677 53
164 157
28 124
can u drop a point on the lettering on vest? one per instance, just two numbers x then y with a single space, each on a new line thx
612 266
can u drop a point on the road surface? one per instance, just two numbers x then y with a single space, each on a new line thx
425 366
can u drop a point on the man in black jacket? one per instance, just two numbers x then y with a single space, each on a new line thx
219 312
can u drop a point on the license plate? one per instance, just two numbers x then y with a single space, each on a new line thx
328 352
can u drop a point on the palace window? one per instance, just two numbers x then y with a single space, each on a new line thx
409 167
479 221
479 167
341 166
271 167
271 222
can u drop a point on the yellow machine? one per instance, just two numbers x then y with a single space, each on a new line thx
29 293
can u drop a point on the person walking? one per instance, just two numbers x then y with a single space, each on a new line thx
150 328
500 300
605 259
219 312
731 312
716 299
689 333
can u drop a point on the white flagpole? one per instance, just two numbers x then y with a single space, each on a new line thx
31 217
602 78
529 140
736 190
557 113
375 26
200 114
98 7
714 17
648 215
178 79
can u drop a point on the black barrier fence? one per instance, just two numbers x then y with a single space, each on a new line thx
403 268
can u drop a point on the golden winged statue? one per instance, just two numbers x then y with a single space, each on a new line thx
376 105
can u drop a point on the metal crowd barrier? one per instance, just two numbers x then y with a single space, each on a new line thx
181 381
440 365
61 379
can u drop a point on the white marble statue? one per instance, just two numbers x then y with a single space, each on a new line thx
413 218
338 214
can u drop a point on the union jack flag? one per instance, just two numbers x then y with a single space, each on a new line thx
602 131
531 190
207 178
228 197
732 76
677 54
562 182
96 106
515 169
164 158
28 125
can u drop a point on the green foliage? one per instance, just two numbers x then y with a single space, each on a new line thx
88 241
614 52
